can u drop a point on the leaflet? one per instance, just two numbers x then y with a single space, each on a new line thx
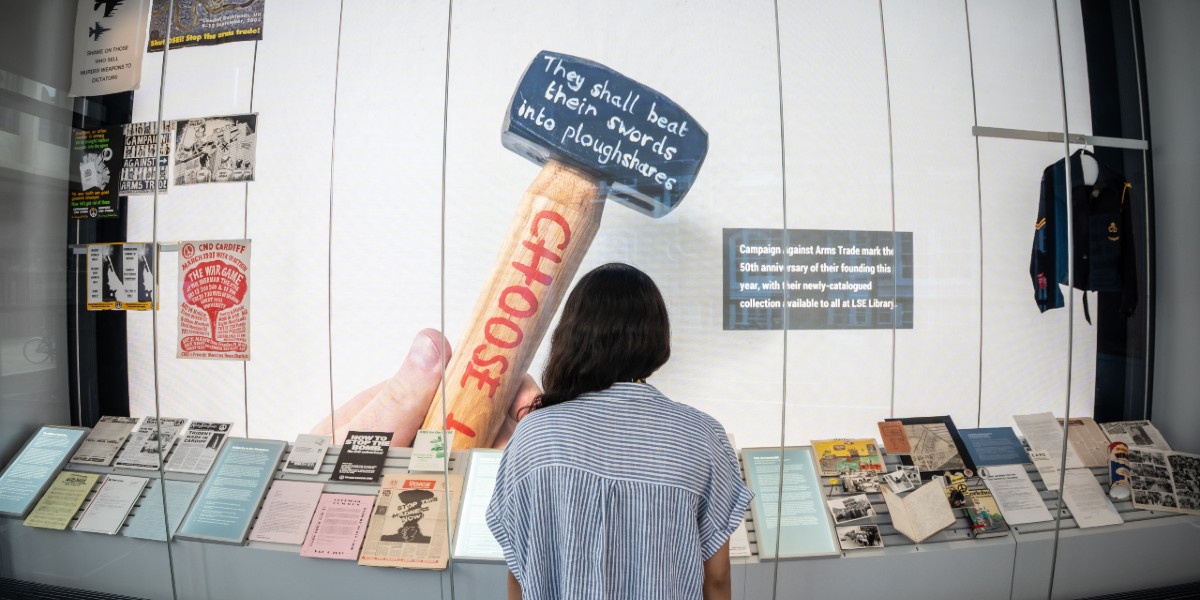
104 441
338 527
24 479
473 538
147 521
199 447
1044 433
362 456
144 450
1015 493
1088 441
429 450
1090 506
286 512
61 500
232 491
1142 434
111 505
408 527
308 453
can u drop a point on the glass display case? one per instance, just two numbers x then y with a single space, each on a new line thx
884 231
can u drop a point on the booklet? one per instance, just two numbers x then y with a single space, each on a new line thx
984 514
104 441
1168 481
308 454
408 526
993 446
111 505
198 448
362 456
841 455
337 528
61 500
144 450
1015 494
922 513
286 512
429 450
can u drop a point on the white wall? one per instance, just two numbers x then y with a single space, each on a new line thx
1169 38
346 213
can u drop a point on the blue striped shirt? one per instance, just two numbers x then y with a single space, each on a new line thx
616 494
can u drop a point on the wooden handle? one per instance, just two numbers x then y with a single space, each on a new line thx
554 225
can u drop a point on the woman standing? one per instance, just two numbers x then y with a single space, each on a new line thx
609 489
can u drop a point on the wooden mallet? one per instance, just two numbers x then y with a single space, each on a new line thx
598 135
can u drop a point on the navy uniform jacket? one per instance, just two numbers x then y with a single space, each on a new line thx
1102 230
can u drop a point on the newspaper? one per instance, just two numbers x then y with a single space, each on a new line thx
408 526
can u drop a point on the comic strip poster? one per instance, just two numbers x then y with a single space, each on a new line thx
215 149
142 153
214 300
121 276
97 157
204 22
108 46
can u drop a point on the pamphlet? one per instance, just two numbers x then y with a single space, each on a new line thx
1088 502
839 456
198 448
337 528
1088 441
1167 481
287 512
1141 434
144 450
408 526
61 500
894 438
1046 467
1015 494
429 450
922 513
111 505
993 446
24 479
147 520
307 455
1044 433
362 456
104 441
232 491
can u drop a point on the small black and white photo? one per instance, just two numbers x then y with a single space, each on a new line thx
1149 470
850 508
106 289
859 536
860 482
901 480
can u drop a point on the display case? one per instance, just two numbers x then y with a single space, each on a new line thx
885 232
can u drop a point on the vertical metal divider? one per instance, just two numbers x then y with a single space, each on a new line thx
1148 362
786 331
442 302
887 86
78 294
246 235
1070 299
979 199
337 75
162 479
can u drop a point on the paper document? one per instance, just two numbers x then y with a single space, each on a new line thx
104 441
337 528
1087 501
286 512
1019 500
110 506
307 455
61 501
198 447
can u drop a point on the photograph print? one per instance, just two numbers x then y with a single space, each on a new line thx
850 508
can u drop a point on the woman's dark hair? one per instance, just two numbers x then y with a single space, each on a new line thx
613 328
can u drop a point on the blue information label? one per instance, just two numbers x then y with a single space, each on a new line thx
28 475
800 525
232 491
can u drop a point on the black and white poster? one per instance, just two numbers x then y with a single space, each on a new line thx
97 157
143 157
215 149
108 46
120 276
204 22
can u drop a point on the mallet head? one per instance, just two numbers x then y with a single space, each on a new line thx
645 148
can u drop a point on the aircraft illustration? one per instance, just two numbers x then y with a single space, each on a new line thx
110 6
97 31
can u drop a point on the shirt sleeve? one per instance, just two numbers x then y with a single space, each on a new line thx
499 520
724 505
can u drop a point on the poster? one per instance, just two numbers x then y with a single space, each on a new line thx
205 22
215 149
97 157
214 300
142 154
108 46
120 276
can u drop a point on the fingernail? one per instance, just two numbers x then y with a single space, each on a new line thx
424 353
